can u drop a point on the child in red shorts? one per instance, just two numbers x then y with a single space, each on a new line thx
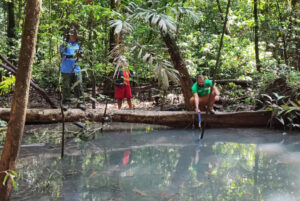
123 89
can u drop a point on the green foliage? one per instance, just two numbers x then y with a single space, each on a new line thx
287 113
3 123
164 73
46 74
234 90
120 26
6 86
3 128
10 174
196 25
294 78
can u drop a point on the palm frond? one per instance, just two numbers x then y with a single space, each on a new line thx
120 26
164 79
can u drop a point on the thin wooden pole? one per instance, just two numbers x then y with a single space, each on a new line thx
217 64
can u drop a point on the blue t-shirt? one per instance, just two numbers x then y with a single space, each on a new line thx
69 65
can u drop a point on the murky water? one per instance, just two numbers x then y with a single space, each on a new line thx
162 164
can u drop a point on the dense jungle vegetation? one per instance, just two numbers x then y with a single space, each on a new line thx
250 47
260 46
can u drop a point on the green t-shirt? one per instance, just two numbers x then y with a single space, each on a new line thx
202 91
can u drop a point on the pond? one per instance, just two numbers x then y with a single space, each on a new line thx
142 162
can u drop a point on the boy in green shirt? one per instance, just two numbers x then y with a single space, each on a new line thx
201 91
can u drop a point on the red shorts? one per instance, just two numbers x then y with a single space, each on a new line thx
123 92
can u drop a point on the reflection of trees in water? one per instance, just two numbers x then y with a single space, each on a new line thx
242 174
43 177
229 171
233 176
148 169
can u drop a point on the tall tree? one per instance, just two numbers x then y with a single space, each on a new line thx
180 66
114 39
90 26
283 35
11 34
18 110
258 64
179 20
294 23
221 15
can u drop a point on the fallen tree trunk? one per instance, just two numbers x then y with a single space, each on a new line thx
11 68
244 83
180 119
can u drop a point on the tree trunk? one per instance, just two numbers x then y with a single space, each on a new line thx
283 36
11 68
298 55
221 15
294 23
258 64
243 83
181 173
180 66
180 119
18 112
50 32
11 34
178 22
90 26
255 176
114 40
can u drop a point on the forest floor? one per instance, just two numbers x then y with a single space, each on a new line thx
172 102
233 99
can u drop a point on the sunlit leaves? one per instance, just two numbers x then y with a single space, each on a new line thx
120 26
164 22
6 86
10 174
164 73
284 110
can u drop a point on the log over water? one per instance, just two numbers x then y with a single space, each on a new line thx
180 119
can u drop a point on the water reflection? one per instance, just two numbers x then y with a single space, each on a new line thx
165 165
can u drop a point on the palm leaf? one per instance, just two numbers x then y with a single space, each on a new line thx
280 119
140 53
268 97
146 57
155 19
164 79
162 25
173 76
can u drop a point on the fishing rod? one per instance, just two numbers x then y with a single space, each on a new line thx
201 134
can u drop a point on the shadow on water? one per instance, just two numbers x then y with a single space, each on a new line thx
163 164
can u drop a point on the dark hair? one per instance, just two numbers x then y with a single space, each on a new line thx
69 32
